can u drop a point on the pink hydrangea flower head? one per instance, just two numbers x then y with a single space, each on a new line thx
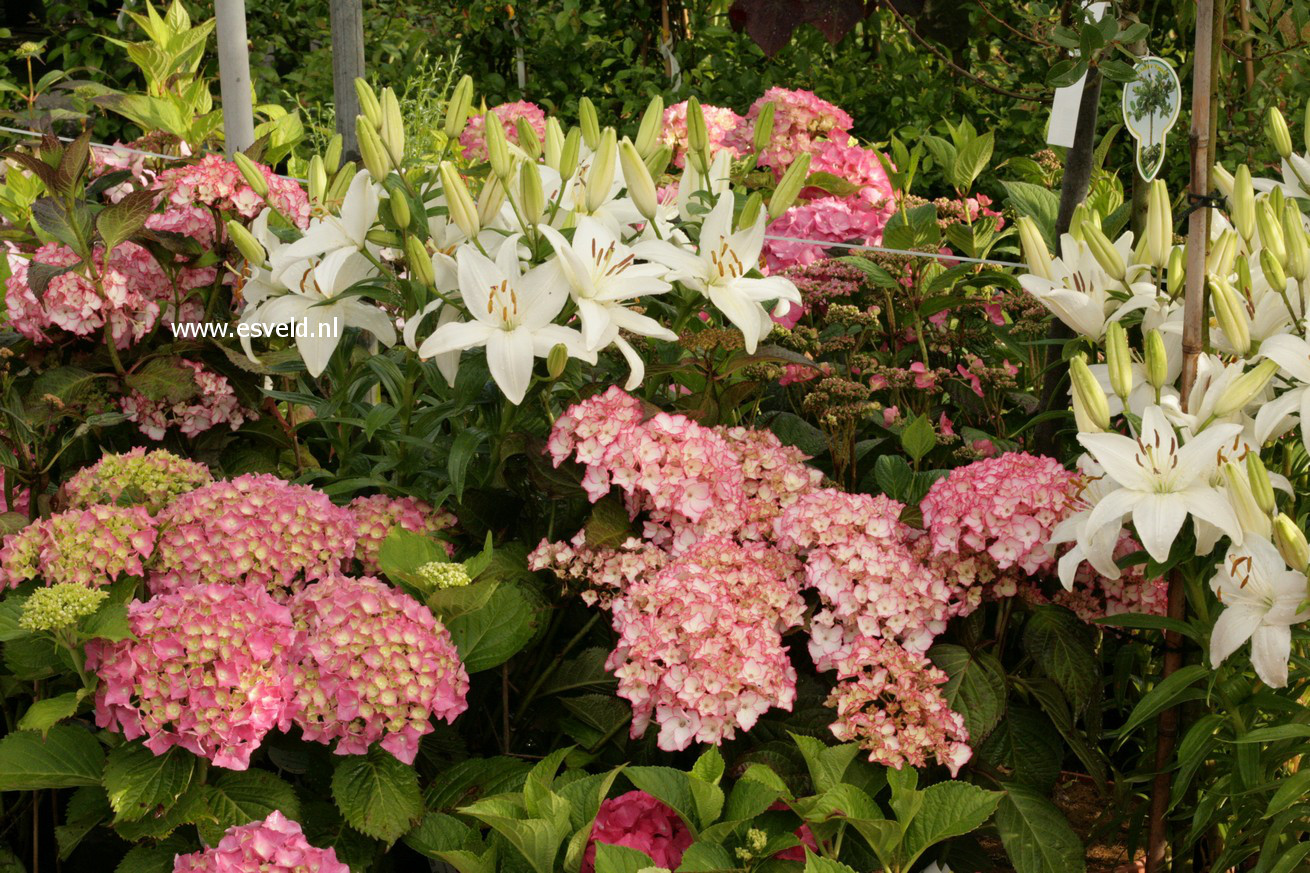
859 166
638 821
218 183
151 479
253 528
774 477
800 120
213 403
92 546
274 845
207 671
1094 596
829 219
377 515
721 124
373 665
603 573
474 140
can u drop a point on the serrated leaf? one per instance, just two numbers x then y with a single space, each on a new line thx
495 633
1062 649
918 437
139 782
66 757
971 160
827 764
706 858
975 689
377 795
238 798
709 766
44 714
1036 835
87 808
119 222
469 780
608 526
154 859
164 380
109 622
620 859
674 789
816 864
950 809
1025 745
437 833
1038 203
189 809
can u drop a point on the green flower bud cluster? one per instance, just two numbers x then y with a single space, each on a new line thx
441 575
60 606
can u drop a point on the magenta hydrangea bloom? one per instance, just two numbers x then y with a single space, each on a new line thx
474 140
373 664
207 671
92 546
218 183
253 528
135 478
637 820
377 515
274 845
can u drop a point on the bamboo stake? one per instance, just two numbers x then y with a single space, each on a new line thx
1193 345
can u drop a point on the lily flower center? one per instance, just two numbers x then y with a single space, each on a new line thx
1157 460
727 263
503 301
605 264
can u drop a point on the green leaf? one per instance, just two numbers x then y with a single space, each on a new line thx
950 809
815 864
918 437
1038 203
1036 835
706 858
462 451
437 833
1291 790
158 824
709 766
154 859
87 808
972 160
1025 745
165 380
694 803
833 184
404 551
827 764
894 476
109 622
44 714
538 840
377 795
795 431
119 221
238 798
876 274
1062 649
1291 859
1175 689
1141 621
976 688
608 526
65 758
495 633
139 782
620 859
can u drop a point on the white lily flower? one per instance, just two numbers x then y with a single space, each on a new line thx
1292 354
1161 482
1262 600
359 212
1097 548
513 312
447 362
1081 294
719 272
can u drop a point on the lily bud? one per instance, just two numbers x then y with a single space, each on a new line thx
1090 405
419 261
1243 267
1223 180
1156 359
554 142
254 178
658 161
1298 246
1245 388
1271 231
1279 135
1272 270
600 177
557 360
332 156
1230 311
652 125
589 122
568 158
368 104
1176 275
698 137
398 203
497 147
1105 253
490 199
371 150
317 179
341 182
532 200
641 187
392 129
457 107
789 186
763 133
1083 214
384 238
529 142
458 201
1159 225
1261 486
1277 200
1249 515
1035 253
750 211
1120 360
1223 252
1291 543
246 243
1243 202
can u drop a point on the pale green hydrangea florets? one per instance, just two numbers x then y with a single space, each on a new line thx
440 575
137 478
60 606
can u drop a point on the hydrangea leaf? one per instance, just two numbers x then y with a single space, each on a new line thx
66 757
377 795
139 781
621 859
1036 835
240 797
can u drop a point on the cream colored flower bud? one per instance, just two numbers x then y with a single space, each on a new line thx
1223 253
1176 274
1262 488
392 129
1279 135
789 186
589 122
458 201
1083 214
1245 388
1156 359
398 203
1105 253
1273 271
490 199
762 134
750 211
332 155
652 125
1252 519
600 176
528 142
1298 245
1291 543
1159 225
554 144
368 104
371 150
419 262
658 161
568 158
246 243
1230 312
1243 202
497 147
457 107
532 200
698 137
641 187
340 183
1120 359
317 179
1035 253
1091 406
1271 231
254 178
557 360
1223 180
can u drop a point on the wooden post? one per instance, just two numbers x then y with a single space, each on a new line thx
347 66
1198 236
234 75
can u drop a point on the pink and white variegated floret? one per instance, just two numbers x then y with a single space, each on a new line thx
218 183
274 845
604 573
92 546
377 515
213 404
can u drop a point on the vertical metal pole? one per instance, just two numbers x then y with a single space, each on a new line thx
234 75
347 66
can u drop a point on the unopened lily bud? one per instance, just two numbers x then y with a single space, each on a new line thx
332 155
1261 486
1271 231
557 360
789 186
641 187
1035 253
1291 543
532 200
1250 517
1223 252
371 150
490 199
568 159
384 238
1243 268
600 177
1105 253
698 137
658 161
368 104
529 142
458 201
1279 135
1176 274
589 122
1091 406
554 145
652 125
398 203
317 179
392 129
1083 214
1243 202
1273 271
1298 246
419 261
497 147
1230 312
457 107
1277 200
1159 225
763 133
341 181
246 243
1156 359
1223 180
1120 359
254 178
1245 388
750 211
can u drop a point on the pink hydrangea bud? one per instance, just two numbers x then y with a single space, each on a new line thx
274 845
638 821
